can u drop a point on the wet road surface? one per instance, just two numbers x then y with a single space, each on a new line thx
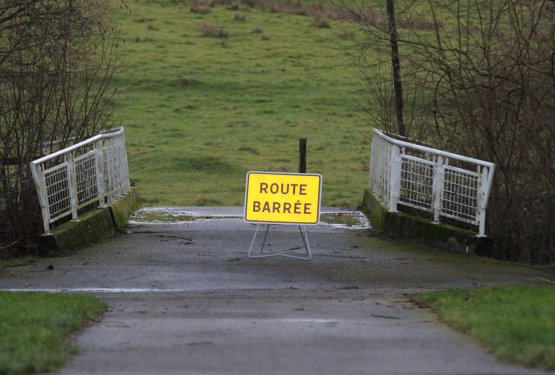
184 298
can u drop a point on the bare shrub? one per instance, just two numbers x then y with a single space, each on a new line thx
56 61
200 8
239 18
321 21
317 9
144 20
272 6
346 35
494 98
211 30
297 7
484 86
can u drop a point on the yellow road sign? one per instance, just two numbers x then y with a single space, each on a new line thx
283 198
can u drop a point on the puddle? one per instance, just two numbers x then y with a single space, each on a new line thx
344 219
174 215
159 217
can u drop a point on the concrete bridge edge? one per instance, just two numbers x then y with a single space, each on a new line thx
406 226
92 227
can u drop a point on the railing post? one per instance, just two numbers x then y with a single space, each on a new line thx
72 176
437 187
373 171
112 167
116 169
125 165
40 186
371 168
482 202
100 174
395 178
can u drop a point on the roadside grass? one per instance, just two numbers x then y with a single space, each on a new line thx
34 329
17 261
517 324
206 96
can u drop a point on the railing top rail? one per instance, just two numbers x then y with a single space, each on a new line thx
106 134
433 150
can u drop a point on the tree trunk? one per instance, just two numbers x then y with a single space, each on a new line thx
396 68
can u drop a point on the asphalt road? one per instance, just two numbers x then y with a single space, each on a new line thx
184 298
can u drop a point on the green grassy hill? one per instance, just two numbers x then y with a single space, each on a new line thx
209 93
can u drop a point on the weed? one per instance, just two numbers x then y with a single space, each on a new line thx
199 9
237 124
144 20
207 164
321 20
143 39
206 201
208 29
346 35
188 81
249 149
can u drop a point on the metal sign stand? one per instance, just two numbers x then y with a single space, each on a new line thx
306 255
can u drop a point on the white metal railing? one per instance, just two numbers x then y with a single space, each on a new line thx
442 183
94 171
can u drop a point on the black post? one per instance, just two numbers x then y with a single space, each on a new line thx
302 155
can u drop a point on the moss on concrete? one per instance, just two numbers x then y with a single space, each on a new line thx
123 208
374 210
92 227
402 225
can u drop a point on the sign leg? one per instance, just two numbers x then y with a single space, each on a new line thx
254 238
304 236
306 255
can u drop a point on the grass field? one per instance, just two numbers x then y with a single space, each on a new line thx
206 97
